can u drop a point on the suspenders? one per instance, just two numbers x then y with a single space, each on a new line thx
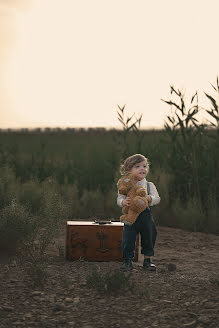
148 188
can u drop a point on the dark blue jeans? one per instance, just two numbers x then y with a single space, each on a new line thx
146 226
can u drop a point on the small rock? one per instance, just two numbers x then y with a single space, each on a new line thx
13 264
28 315
76 300
68 300
102 301
71 323
36 298
59 307
51 299
190 324
36 293
18 323
14 280
7 308
171 267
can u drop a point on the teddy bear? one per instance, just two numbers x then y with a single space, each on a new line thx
126 186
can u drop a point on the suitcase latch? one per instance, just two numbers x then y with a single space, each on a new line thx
102 221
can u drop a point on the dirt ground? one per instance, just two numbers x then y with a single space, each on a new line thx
183 292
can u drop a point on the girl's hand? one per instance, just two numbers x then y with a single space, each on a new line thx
126 202
149 198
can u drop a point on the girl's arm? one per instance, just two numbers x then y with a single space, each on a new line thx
120 199
155 198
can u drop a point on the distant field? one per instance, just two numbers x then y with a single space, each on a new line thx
78 154
84 165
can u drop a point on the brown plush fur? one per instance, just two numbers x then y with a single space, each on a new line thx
139 203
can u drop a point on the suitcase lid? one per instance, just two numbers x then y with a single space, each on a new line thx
96 222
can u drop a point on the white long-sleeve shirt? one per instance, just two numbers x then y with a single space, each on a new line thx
155 198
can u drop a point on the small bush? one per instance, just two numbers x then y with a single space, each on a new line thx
212 224
215 281
70 195
37 273
93 201
112 282
30 194
16 224
8 186
189 216
144 292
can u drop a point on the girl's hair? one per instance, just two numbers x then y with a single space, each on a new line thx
131 161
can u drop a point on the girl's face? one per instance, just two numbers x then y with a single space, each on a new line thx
139 171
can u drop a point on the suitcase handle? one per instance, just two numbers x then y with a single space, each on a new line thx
102 221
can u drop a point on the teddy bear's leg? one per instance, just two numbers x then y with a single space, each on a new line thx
132 216
139 204
125 219
125 209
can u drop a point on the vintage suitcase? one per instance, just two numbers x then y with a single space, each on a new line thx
95 241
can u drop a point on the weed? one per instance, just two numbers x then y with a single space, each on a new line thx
144 291
61 251
37 272
112 282
215 281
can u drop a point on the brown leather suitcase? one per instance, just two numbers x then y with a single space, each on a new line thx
95 241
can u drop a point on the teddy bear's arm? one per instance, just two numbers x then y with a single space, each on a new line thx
140 191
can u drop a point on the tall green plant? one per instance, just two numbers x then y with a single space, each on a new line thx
184 132
129 124
214 146
214 111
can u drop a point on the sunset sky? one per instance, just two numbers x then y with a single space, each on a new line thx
70 62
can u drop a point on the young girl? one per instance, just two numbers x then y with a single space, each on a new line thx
138 166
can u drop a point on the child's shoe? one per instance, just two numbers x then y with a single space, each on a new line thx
127 265
148 265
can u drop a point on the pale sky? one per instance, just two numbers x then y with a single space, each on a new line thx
70 62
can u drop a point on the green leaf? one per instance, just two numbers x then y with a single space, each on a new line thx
171 119
193 97
213 87
182 106
120 116
213 101
174 90
139 120
122 109
121 122
172 103
213 115
129 118
129 128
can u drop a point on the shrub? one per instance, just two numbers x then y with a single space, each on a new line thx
16 224
37 272
189 216
8 186
112 282
31 195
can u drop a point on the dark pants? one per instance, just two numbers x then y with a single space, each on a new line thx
145 225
